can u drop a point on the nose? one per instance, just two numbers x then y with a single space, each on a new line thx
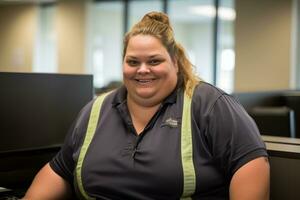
143 69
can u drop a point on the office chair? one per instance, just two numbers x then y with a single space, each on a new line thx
274 121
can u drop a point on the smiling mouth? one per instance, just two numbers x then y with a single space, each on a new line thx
144 81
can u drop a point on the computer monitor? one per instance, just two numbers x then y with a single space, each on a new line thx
36 112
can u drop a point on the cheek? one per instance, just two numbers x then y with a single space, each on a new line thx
128 71
173 77
168 71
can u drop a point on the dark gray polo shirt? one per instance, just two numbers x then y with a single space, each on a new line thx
120 164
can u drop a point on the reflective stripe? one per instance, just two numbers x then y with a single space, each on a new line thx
189 177
93 120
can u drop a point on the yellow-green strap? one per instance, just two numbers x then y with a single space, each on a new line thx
189 177
93 120
189 182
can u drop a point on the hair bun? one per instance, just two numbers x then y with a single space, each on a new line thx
157 16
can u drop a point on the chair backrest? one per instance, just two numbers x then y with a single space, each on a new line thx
261 98
275 121
292 100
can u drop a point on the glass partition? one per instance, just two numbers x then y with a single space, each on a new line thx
137 9
104 41
193 26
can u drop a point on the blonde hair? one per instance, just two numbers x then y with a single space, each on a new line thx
157 24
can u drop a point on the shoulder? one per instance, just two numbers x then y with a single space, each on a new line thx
208 92
115 97
79 127
209 88
112 98
211 104
207 96
84 113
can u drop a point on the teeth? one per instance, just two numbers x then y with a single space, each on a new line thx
144 81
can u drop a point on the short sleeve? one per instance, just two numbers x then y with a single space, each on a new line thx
234 136
65 160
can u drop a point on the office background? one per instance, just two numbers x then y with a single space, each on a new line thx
251 46
247 48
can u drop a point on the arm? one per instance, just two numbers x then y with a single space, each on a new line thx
48 185
251 181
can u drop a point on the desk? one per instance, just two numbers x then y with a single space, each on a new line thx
282 140
282 146
285 167
18 168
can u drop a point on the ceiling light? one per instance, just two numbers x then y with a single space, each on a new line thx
210 11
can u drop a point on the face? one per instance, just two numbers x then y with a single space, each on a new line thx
149 73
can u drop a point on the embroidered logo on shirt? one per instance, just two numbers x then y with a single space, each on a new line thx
171 122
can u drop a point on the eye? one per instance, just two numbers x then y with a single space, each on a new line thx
132 63
155 62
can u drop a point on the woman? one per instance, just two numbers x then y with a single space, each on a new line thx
163 135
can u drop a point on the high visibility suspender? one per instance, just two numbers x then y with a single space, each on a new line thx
189 178
93 120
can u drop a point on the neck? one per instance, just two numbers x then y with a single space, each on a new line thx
140 114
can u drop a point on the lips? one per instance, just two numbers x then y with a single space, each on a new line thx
144 81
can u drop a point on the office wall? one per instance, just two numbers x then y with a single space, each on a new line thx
70 26
263 42
18 30
297 42
17 35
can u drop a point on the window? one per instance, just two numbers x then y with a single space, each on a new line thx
193 27
104 41
193 22
45 55
225 46
137 9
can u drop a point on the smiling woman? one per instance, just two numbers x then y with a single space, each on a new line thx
148 67
164 134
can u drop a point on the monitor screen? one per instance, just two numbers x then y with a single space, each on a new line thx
37 109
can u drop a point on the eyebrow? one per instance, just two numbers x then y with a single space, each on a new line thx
152 56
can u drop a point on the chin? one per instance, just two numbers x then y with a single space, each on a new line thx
145 92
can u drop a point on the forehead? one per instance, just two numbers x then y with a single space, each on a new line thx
145 44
